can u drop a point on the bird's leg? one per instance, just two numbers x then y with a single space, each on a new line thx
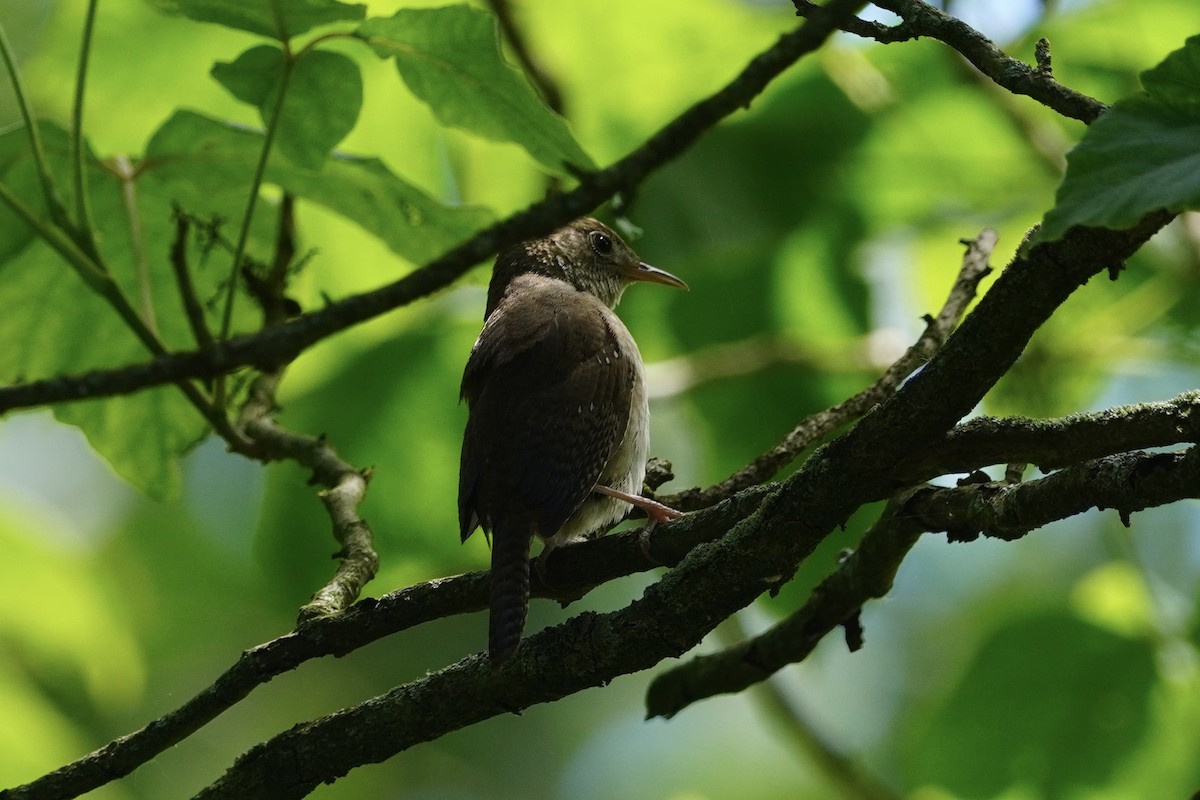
655 511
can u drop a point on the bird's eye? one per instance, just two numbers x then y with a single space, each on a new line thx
601 243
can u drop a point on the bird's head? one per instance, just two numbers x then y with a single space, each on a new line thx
585 253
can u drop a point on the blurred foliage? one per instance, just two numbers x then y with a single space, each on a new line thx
825 218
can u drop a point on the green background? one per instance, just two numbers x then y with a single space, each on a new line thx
814 230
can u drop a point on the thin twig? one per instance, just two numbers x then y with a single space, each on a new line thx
347 489
816 426
921 19
270 288
192 307
260 171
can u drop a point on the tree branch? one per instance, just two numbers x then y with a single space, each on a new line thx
575 569
279 345
1127 482
192 308
347 489
921 19
1056 443
865 574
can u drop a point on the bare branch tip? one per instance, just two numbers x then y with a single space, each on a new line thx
1041 54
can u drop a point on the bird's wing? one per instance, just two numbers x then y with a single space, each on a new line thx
548 391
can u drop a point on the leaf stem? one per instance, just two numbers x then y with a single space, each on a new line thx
35 140
325 37
260 170
83 213
137 239
92 273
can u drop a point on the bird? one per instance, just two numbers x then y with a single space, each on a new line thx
558 421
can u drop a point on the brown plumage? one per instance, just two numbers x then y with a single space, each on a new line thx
558 416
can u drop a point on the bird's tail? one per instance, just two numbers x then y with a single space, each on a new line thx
510 591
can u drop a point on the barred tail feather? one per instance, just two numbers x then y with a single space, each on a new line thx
510 591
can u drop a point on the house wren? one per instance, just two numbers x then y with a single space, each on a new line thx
558 425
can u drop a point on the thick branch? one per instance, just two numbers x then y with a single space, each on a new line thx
281 344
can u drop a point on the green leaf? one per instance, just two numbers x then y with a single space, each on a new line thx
201 163
324 96
19 175
1048 702
54 324
271 18
450 58
253 75
1142 155
1176 81
323 99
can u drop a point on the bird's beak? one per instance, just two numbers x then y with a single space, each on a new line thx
644 272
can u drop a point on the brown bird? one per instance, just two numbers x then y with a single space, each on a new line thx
558 424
